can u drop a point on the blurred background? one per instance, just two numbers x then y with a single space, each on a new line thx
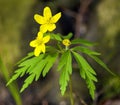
94 20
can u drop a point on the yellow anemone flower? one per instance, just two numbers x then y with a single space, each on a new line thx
66 42
47 21
39 43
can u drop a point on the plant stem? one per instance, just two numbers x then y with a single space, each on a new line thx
71 93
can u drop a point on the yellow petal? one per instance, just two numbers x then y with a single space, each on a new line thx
51 27
37 51
33 43
43 48
55 18
46 39
43 28
40 35
47 13
39 19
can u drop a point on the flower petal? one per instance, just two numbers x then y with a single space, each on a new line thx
47 13
33 43
51 27
39 19
37 51
55 18
43 28
46 39
40 35
42 48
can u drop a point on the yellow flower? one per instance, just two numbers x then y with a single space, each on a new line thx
39 43
66 42
47 21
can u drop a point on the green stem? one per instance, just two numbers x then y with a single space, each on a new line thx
71 93
12 87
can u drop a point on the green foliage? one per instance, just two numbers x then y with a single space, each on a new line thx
86 72
111 87
37 66
56 37
83 42
65 68
34 66
93 55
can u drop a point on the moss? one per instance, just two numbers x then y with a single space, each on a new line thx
109 20
12 19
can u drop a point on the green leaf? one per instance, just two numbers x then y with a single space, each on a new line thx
86 73
69 63
37 70
83 42
100 62
34 66
92 54
68 36
31 61
62 60
51 60
25 58
85 50
65 67
27 82
56 37
64 78
18 73
51 49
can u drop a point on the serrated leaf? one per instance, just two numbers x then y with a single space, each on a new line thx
62 60
31 61
34 67
66 70
91 76
100 62
25 58
91 87
18 73
69 62
51 60
92 55
83 42
86 73
27 82
37 70
85 50
64 78
84 63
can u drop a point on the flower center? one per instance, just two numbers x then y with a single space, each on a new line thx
48 20
40 42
